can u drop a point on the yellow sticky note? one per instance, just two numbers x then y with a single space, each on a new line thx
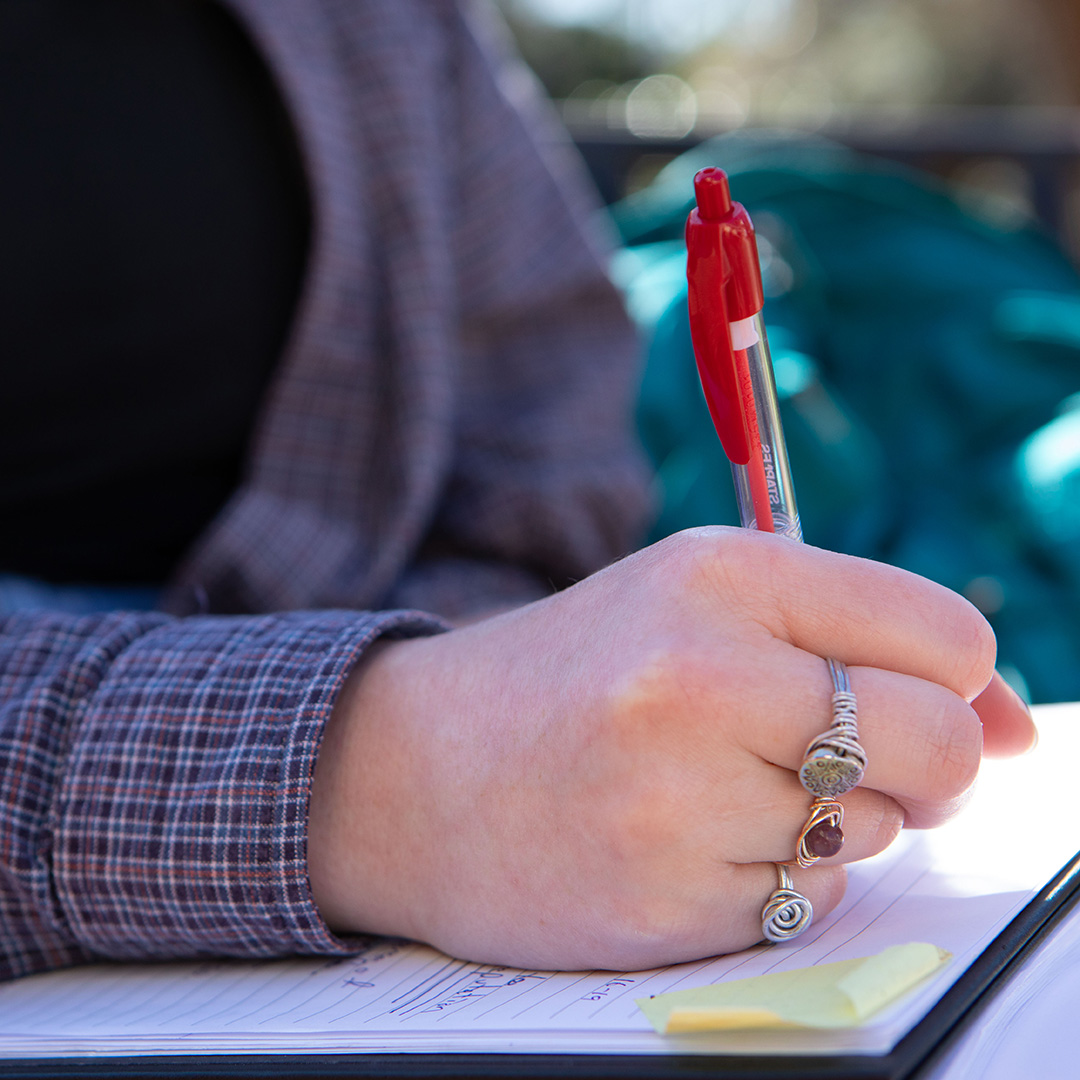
836 995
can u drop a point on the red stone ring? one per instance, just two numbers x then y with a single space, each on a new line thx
822 835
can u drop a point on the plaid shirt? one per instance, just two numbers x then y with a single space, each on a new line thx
448 430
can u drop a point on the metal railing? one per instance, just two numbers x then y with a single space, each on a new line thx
1042 145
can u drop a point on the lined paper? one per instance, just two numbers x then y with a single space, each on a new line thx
955 887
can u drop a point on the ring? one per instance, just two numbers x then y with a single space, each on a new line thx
835 761
822 834
786 913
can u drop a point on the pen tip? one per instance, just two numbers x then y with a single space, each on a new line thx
712 193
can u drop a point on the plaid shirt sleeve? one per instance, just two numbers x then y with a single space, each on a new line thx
154 781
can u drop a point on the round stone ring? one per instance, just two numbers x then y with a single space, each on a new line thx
834 763
822 835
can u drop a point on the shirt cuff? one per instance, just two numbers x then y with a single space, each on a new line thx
180 824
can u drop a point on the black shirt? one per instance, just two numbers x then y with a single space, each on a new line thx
154 222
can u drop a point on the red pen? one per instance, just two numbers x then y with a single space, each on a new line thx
732 351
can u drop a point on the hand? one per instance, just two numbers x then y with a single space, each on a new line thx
603 779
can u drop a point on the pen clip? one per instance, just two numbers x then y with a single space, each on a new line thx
724 286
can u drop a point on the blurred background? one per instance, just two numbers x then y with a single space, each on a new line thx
913 171
981 92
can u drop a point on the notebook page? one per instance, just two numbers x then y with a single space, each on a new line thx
953 887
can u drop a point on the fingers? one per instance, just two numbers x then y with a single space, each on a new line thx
1008 729
723 919
754 833
861 612
736 923
923 742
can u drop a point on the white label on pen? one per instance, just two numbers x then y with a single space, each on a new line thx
743 333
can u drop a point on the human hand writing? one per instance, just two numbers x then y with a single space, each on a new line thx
604 778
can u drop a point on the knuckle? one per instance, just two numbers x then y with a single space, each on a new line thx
885 824
665 682
957 744
743 555
732 570
643 915
714 555
829 886
641 933
976 653
688 556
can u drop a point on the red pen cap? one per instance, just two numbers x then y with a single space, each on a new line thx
724 286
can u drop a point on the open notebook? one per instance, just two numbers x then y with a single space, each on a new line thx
958 887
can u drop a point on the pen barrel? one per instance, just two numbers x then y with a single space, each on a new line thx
763 485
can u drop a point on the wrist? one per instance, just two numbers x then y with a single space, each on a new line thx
358 824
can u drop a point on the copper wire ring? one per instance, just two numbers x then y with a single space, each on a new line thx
825 823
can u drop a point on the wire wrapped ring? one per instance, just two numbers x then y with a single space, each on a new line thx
786 913
835 761
822 834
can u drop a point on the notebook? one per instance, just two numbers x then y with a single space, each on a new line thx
987 887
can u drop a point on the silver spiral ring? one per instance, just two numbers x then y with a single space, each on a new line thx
835 761
786 913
